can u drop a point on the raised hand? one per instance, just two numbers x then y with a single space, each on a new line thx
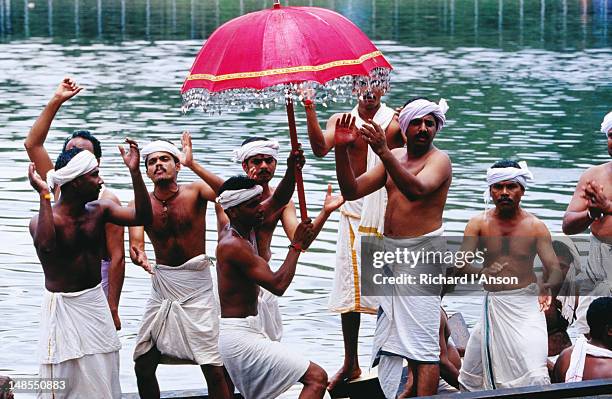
131 158
332 202
140 259
36 181
345 130
186 156
296 157
66 90
374 135
304 234
597 202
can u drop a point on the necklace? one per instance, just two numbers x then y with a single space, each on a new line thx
165 201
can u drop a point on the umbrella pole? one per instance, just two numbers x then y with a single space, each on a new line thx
294 146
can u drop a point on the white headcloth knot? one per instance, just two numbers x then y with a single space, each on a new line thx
421 107
230 198
159 146
606 125
495 175
264 147
81 164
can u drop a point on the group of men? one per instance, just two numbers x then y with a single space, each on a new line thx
394 184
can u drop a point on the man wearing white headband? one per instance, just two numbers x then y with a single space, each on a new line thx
78 341
258 157
591 206
417 179
508 347
363 216
113 260
259 366
181 320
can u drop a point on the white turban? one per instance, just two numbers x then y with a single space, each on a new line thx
606 125
495 175
160 146
421 107
265 147
81 164
230 198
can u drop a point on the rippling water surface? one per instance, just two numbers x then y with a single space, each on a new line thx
524 79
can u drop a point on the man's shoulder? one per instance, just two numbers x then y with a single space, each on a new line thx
536 224
598 170
109 195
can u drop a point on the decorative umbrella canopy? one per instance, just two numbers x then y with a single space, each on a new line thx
276 55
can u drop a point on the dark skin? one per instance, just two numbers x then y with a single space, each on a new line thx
594 367
177 233
241 272
417 180
37 153
66 235
512 238
357 152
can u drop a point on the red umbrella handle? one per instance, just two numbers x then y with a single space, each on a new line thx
294 146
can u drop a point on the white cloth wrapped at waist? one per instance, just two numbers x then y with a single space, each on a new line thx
181 318
260 368
408 323
421 107
231 198
159 146
606 124
581 349
81 164
257 147
509 346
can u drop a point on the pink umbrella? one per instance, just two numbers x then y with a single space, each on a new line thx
272 56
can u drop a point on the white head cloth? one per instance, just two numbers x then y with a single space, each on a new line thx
421 107
606 125
159 146
265 147
81 164
230 198
495 175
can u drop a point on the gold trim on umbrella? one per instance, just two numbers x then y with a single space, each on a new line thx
281 71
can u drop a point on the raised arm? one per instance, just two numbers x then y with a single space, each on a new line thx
42 227
116 270
284 191
214 181
34 143
142 213
259 271
437 170
353 188
321 141
587 205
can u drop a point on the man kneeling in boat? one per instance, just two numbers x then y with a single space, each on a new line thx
592 359
260 367
78 341
181 321
508 347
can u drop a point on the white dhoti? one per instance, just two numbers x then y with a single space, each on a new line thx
260 368
78 342
580 351
269 313
599 274
181 318
408 323
509 346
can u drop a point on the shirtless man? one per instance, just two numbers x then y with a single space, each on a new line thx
514 325
188 331
591 206
357 217
417 179
592 359
260 367
78 339
113 258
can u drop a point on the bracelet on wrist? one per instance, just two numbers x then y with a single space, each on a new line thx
308 103
46 196
297 247
591 216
